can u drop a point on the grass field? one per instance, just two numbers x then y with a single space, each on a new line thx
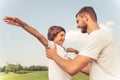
39 75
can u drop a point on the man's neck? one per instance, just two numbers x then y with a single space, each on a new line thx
92 27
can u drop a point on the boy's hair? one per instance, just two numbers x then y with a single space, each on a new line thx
53 31
88 10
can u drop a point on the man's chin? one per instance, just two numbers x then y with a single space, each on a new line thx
84 30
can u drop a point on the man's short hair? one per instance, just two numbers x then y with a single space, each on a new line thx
88 10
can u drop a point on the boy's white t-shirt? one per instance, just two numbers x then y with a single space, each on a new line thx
55 72
106 60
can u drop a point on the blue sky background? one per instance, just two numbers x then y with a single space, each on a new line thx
18 46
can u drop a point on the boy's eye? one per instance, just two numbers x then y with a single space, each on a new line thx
62 35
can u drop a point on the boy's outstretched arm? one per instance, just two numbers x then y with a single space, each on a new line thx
17 22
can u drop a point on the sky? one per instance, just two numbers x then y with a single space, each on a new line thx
19 47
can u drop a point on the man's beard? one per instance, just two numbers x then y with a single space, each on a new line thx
84 29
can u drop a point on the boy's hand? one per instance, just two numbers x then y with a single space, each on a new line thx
13 21
72 50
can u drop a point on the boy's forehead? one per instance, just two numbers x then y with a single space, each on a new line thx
61 32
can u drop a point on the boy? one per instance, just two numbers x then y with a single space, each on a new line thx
56 34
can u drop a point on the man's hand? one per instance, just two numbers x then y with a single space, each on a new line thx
51 52
13 21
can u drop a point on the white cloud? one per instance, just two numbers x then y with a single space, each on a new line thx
107 26
109 23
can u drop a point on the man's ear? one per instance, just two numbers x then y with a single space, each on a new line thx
85 17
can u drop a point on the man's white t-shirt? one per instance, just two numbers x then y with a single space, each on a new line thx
55 72
101 47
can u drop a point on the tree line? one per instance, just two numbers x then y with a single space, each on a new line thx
16 68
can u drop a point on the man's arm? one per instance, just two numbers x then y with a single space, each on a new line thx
85 70
70 66
17 22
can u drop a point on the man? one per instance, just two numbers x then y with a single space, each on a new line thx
99 57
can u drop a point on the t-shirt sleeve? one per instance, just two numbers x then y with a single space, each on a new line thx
94 45
50 44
